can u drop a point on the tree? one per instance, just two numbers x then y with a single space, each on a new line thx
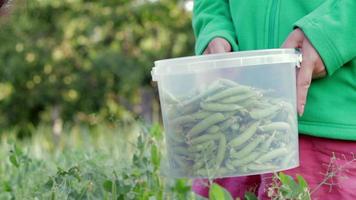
80 57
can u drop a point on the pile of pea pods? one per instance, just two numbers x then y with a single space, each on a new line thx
229 129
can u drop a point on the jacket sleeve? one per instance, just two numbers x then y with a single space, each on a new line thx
331 28
211 19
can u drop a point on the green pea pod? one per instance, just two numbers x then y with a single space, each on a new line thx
198 165
202 147
267 144
272 155
227 124
288 160
188 109
213 129
249 103
287 106
175 137
171 111
240 98
259 114
205 124
182 120
262 104
275 126
180 161
229 165
248 159
221 151
200 115
168 97
292 121
228 82
245 136
263 168
223 171
180 151
205 138
214 87
248 148
217 107
229 92
235 127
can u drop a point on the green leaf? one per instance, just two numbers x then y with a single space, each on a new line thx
49 184
285 179
107 185
217 192
156 131
302 182
14 161
250 196
7 187
155 156
181 186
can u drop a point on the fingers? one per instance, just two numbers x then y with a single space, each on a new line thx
304 78
294 40
218 45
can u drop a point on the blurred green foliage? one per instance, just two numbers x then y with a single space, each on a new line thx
84 56
87 164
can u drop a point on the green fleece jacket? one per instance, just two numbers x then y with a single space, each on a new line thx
330 25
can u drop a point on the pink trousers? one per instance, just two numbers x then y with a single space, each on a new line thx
318 158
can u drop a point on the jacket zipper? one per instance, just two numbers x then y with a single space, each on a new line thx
272 24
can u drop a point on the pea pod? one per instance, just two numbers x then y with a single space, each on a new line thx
287 106
248 148
169 98
198 165
245 136
248 159
259 114
175 137
207 162
210 90
228 82
202 149
267 144
229 165
179 161
227 124
264 167
188 109
182 119
200 115
235 127
204 138
279 126
288 160
272 155
292 121
241 97
205 124
213 129
218 107
229 92
248 104
221 151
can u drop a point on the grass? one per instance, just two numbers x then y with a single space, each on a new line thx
113 163
101 162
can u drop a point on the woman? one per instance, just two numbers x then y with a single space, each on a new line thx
326 84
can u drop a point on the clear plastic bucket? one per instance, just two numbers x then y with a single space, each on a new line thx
229 114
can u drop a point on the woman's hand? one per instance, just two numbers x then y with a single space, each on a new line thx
311 67
218 45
